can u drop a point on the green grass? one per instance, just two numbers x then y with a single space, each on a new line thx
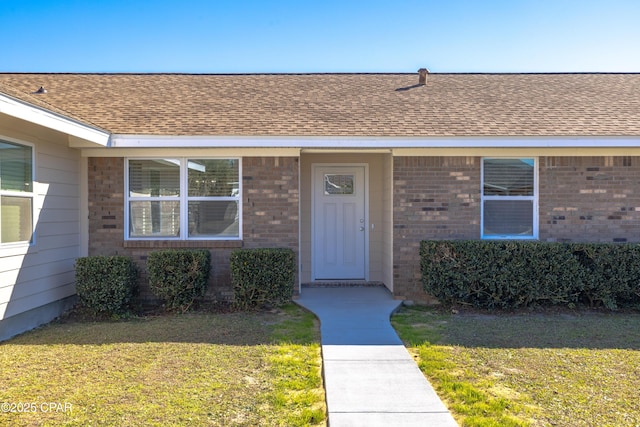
560 369
236 369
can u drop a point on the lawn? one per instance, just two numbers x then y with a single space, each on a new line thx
538 369
197 369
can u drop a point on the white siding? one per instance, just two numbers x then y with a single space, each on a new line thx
34 276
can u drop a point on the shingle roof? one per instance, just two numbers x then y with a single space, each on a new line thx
375 105
36 100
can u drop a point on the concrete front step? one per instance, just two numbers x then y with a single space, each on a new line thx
342 284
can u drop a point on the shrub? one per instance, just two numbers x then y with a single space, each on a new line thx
178 277
513 274
504 274
612 273
262 277
106 284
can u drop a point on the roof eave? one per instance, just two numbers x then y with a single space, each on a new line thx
351 142
43 117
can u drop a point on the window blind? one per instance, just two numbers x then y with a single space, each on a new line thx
508 198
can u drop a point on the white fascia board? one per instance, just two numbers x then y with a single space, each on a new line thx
40 116
331 142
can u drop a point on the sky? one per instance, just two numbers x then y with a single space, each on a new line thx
247 36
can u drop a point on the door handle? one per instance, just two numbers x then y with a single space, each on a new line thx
361 228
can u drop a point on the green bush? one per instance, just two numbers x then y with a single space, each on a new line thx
612 273
106 284
504 274
262 277
515 274
178 277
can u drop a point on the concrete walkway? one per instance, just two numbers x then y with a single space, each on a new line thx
370 378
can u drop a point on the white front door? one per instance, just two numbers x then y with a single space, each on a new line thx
339 222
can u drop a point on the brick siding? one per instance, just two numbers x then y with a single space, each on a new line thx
270 217
106 206
589 199
433 198
581 199
271 199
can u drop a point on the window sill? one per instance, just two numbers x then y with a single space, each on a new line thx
179 244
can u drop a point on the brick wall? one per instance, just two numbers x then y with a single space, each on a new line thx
106 206
271 199
434 198
581 199
270 217
589 199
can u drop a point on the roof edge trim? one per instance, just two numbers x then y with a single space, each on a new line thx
346 142
43 117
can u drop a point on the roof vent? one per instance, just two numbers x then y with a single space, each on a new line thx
422 76
41 90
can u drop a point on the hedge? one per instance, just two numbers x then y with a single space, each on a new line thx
611 273
179 276
516 274
262 277
106 284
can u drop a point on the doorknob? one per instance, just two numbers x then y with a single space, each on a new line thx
361 228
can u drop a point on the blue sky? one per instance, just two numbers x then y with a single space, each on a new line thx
220 36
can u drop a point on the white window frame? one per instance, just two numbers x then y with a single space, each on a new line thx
183 199
27 195
533 198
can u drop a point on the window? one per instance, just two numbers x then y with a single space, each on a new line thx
16 193
338 184
509 198
183 198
